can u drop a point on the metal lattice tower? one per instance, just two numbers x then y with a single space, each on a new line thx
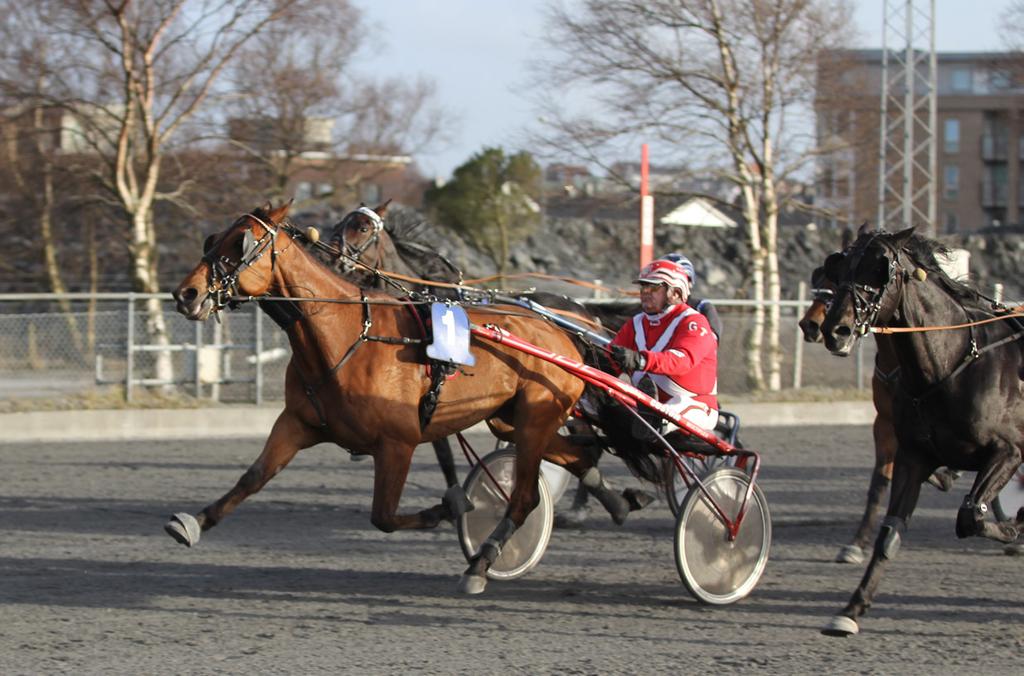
907 161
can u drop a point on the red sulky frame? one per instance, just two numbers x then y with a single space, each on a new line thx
632 397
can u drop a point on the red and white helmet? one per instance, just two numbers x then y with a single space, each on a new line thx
666 272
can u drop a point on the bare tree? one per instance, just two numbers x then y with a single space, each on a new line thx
130 76
310 99
727 84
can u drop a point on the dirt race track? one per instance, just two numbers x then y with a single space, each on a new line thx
299 581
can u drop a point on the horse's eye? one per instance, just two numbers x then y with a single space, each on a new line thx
364 229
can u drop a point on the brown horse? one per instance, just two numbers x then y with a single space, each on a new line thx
362 238
883 382
353 381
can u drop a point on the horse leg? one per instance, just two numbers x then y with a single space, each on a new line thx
908 475
391 465
577 514
455 498
881 477
446 460
993 475
288 436
533 433
592 482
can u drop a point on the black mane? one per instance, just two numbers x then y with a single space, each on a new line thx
925 253
417 254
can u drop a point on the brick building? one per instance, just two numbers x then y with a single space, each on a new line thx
979 134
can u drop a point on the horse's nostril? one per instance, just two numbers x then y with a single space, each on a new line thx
810 329
842 331
188 295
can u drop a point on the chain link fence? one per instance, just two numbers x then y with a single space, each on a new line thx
78 344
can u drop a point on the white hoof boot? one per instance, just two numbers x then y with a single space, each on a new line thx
472 584
840 625
850 554
184 528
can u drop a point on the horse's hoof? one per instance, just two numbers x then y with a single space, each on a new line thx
1014 549
850 554
184 528
574 517
456 501
637 499
472 584
840 625
943 478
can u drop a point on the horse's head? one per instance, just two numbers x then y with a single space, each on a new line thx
822 292
237 261
869 278
358 233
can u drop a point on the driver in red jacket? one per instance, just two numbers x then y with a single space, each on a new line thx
671 345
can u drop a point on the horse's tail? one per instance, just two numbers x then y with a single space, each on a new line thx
617 424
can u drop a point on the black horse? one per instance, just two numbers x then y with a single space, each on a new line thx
958 399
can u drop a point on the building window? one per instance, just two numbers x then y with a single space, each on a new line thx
370 193
952 223
303 190
960 80
994 185
999 81
951 135
951 181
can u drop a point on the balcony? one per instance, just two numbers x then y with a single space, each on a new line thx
994 194
994 148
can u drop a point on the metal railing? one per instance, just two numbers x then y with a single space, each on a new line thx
103 341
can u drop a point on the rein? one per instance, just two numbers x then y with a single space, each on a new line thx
897 271
479 307
916 329
557 278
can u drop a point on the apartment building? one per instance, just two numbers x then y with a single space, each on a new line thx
979 135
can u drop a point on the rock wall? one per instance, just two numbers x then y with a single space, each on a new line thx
594 248
609 252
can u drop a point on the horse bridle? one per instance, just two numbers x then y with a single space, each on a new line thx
356 252
867 299
222 282
819 292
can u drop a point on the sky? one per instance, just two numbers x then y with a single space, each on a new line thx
477 51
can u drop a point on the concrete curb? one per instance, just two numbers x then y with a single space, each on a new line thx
253 421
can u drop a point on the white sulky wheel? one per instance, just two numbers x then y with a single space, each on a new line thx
525 548
1011 498
714 569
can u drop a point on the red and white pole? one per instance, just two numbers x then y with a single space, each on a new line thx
646 212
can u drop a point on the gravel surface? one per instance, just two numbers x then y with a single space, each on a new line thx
299 581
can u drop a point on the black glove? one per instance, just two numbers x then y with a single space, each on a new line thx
629 360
